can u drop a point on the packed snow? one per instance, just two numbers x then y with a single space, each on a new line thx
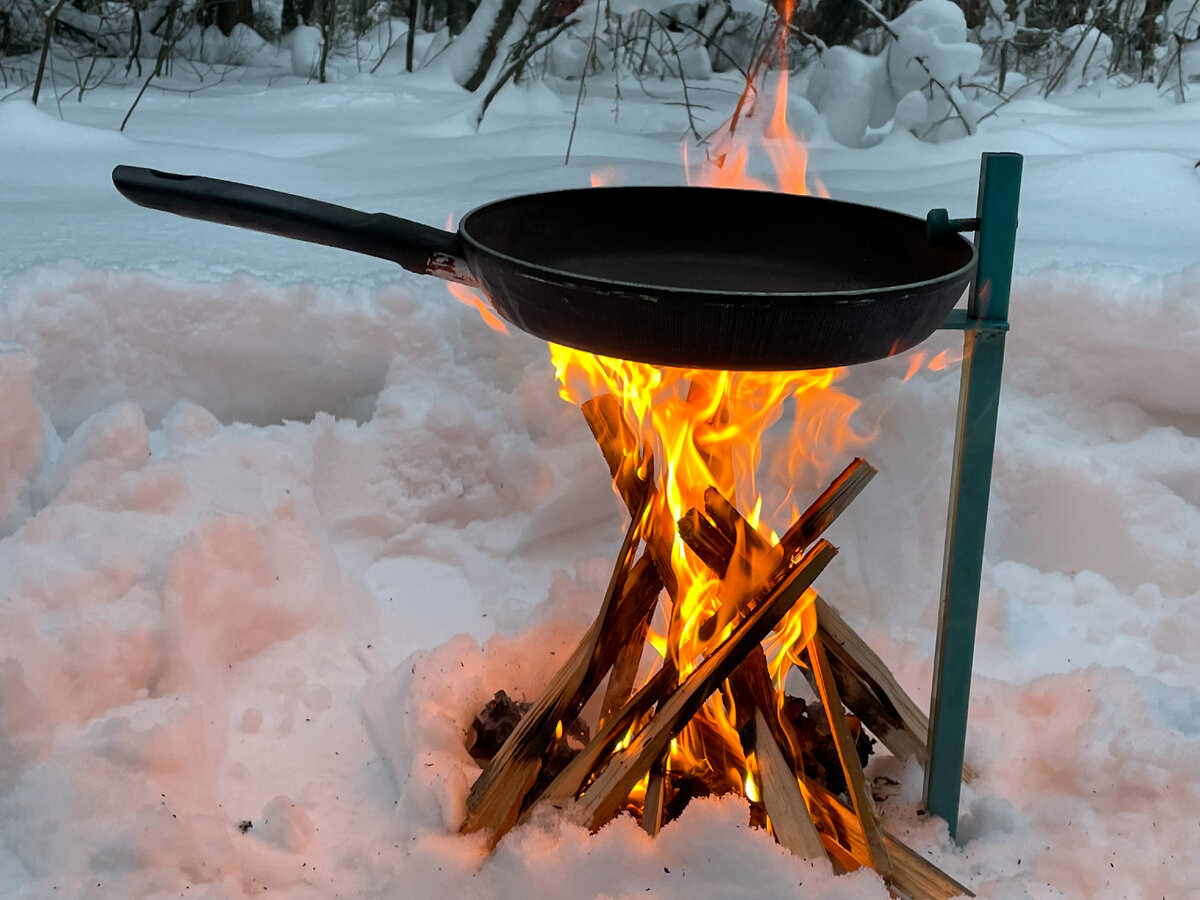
276 520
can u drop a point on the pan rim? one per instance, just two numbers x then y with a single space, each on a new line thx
654 291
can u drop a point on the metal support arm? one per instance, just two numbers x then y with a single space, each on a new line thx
984 327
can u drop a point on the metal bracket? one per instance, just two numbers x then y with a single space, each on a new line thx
960 320
939 227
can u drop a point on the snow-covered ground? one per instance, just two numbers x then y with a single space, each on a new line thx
276 520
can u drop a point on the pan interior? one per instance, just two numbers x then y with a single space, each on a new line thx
705 239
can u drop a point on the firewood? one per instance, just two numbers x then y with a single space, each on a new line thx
604 796
654 805
496 797
732 524
877 714
572 779
845 643
629 658
864 806
632 470
819 516
705 540
791 820
832 503
621 449
913 875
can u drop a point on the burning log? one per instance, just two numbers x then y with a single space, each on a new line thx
764 736
864 806
719 538
603 797
754 747
867 686
495 798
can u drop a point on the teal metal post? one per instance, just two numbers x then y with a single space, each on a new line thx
974 443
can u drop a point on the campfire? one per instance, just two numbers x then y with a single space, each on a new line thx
708 610
717 606
709 714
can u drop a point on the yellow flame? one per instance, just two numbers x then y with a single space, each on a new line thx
707 428
750 786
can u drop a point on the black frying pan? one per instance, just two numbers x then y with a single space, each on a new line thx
677 276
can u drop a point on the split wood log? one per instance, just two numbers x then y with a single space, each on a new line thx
645 591
856 782
841 492
912 874
496 797
791 820
706 541
571 780
873 694
604 796
857 657
654 805
779 788
621 449
626 459
729 523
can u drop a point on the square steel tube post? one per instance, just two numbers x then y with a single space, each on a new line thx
970 484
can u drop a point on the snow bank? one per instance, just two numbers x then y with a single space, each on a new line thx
227 654
913 81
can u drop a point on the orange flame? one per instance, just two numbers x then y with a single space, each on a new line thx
710 428
940 362
473 299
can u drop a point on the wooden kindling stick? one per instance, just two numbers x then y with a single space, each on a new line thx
496 797
617 444
716 537
867 686
763 736
913 876
604 795
856 782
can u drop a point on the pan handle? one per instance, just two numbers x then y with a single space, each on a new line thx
418 248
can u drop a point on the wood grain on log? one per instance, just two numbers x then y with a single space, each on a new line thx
864 806
604 796
496 797
912 875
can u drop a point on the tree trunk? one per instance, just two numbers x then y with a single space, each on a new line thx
410 43
328 14
48 37
234 12
1150 35
489 25
458 14
289 16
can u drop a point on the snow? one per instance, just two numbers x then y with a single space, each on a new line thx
275 521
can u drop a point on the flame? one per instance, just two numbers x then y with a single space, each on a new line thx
606 177
475 300
939 363
697 428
